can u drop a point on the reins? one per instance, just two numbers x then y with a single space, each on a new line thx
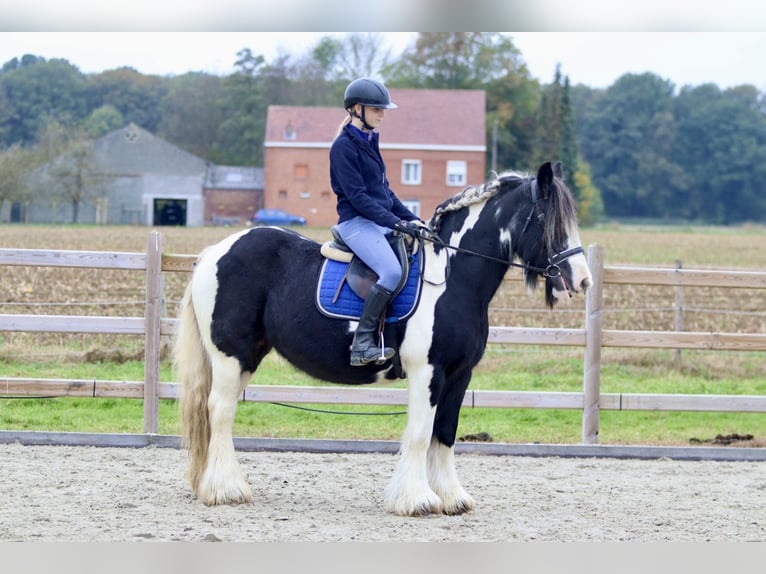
551 271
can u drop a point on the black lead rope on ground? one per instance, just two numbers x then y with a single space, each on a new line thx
20 397
337 412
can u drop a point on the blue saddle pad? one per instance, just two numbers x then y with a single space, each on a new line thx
349 305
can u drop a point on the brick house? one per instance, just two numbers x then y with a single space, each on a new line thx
434 144
232 194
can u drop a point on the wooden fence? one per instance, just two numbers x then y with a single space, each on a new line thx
592 337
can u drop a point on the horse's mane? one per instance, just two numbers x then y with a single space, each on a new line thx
560 211
474 194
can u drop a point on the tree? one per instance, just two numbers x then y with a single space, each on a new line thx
320 78
15 162
627 140
455 60
557 140
64 168
75 177
241 133
721 145
480 61
136 96
549 142
103 120
34 90
192 113
569 153
361 55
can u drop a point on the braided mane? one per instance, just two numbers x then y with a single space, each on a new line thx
473 194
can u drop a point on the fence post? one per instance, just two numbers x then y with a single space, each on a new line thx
592 368
152 332
678 312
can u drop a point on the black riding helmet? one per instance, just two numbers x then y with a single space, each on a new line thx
367 92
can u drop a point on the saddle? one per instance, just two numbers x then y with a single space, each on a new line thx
345 280
359 276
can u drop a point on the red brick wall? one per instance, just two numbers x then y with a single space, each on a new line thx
229 203
312 197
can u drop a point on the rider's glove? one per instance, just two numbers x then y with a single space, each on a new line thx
409 228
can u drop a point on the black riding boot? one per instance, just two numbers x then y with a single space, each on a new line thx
364 349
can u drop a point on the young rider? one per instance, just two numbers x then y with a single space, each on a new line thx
367 207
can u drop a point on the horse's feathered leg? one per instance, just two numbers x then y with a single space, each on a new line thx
212 383
442 473
442 476
408 493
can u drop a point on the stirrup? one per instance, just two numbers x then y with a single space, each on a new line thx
386 353
360 358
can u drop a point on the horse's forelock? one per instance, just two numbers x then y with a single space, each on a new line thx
560 215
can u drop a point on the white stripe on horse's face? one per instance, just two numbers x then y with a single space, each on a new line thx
581 276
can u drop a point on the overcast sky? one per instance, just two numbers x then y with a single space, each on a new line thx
595 59
688 42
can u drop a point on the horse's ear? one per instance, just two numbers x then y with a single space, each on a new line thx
544 178
558 170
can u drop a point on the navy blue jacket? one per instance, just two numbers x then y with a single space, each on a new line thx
358 178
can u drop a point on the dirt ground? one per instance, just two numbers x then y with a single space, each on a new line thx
72 493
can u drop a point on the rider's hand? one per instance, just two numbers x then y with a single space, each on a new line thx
425 230
409 228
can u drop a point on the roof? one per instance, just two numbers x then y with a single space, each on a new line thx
133 150
424 119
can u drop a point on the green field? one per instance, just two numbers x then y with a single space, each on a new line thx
82 292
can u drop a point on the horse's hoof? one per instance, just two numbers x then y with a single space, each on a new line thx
460 506
429 503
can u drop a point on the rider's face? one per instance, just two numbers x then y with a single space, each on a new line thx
373 116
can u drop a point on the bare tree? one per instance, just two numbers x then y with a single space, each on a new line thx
15 162
362 54
75 176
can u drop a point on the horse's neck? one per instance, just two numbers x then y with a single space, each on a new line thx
478 275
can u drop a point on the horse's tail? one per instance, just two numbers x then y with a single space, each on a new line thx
192 367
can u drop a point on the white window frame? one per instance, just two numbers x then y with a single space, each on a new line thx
412 172
457 173
413 205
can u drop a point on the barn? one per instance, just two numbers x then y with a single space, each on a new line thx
135 177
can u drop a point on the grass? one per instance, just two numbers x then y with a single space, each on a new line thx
53 355
532 370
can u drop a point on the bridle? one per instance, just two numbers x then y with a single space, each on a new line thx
552 271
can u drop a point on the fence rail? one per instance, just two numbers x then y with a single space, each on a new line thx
592 338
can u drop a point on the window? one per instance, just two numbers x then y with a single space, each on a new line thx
301 171
413 205
456 173
289 132
411 172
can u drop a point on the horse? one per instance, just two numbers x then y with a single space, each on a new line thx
252 293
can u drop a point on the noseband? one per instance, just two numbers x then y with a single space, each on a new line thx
552 271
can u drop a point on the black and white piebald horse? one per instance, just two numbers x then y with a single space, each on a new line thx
255 291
